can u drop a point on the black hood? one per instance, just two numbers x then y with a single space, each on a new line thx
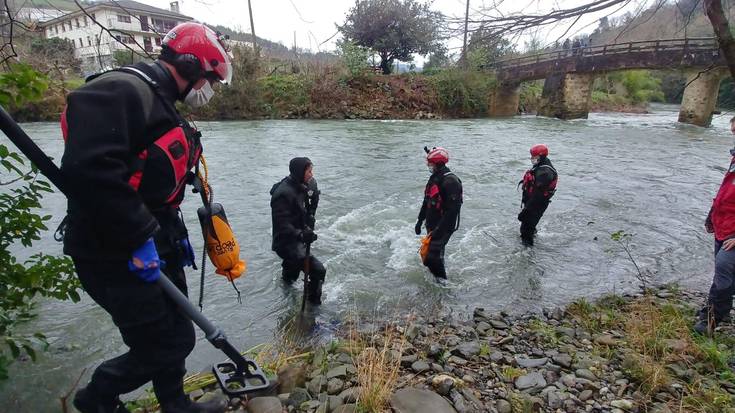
297 168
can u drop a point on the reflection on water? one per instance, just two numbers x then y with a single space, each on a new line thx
644 174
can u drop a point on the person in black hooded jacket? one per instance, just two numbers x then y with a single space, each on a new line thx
293 208
440 208
539 185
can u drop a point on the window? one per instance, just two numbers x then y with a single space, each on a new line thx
81 43
158 41
89 41
163 26
77 20
85 21
56 29
93 18
96 39
63 27
123 18
124 39
70 27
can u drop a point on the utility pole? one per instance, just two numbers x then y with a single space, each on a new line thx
252 28
464 46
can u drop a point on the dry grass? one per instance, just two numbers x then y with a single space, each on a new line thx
378 368
650 329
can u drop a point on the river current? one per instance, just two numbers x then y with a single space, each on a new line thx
641 173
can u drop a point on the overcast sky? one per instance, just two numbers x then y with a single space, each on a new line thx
314 21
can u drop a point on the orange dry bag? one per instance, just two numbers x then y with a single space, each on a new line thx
220 242
424 249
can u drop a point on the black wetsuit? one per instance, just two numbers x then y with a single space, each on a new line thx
539 185
109 122
441 209
292 211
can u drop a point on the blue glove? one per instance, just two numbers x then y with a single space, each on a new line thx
145 262
187 253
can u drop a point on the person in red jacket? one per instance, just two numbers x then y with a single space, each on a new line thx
721 222
127 159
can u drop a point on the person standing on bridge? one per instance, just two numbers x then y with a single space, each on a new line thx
294 201
721 222
440 209
538 185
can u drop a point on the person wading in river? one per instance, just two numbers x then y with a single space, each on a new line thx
440 209
721 222
127 158
538 185
293 207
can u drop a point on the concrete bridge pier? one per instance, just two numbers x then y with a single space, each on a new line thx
566 95
505 99
700 96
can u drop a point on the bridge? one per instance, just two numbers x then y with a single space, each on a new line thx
569 75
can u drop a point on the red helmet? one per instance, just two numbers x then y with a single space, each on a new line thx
539 150
197 51
437 155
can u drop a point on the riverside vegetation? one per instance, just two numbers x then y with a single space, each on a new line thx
346 87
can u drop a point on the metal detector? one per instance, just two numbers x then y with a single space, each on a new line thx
236 377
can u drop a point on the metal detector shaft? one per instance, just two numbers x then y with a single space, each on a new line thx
307 270
244 369
31 150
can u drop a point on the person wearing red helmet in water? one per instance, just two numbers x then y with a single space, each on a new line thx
538 185
128 156
721 223
440 209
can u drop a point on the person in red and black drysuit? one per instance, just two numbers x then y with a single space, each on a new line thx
721 222
538 185
440 209
127 158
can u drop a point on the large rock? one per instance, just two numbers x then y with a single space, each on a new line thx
527 363
317 385
350 395
265 405
339 372
335 386
564 360
534 380
346 408
420 366
419 401
443 384
503 406
467 350
291 376
298 396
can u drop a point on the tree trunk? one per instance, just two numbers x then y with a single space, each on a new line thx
386 64
717 17
252 29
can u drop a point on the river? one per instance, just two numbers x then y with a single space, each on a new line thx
641 173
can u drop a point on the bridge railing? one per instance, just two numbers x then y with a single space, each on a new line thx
684 45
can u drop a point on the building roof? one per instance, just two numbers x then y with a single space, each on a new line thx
124 6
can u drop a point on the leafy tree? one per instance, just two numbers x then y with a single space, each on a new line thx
394 29
54 53
354 56
437 60
484 49
40 275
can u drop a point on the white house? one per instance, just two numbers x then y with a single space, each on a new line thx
131 25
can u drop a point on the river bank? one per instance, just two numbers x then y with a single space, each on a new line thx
449 94
631 353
